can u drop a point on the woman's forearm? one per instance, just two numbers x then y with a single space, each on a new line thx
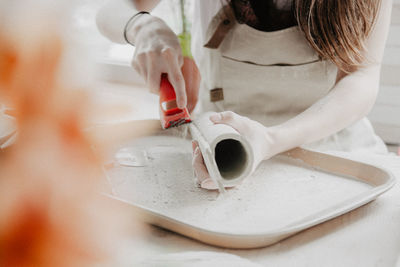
350 100
113 16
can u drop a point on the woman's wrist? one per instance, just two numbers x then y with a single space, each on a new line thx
279 140
134 25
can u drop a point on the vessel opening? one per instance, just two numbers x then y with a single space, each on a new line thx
230 157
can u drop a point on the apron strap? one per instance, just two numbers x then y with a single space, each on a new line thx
220 26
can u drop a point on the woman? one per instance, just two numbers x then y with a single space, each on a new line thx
295 72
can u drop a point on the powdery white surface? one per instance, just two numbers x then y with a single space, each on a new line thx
197 259
281 192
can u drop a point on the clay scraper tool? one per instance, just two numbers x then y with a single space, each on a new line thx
170 114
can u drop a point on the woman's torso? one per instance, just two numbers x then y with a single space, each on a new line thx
265 15
269 76
265 68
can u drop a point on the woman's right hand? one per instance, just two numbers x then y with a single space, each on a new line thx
157 51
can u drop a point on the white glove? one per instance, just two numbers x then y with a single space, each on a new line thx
157 51
257 135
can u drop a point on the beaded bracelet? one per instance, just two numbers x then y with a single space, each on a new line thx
129 22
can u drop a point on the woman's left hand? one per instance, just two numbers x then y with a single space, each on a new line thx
259 137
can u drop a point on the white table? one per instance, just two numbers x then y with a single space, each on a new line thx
368 236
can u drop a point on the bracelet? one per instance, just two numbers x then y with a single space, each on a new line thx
129 22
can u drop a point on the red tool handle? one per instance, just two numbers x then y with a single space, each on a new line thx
170 114
167 92
167 96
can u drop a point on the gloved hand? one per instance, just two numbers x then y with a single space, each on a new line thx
259 137
157 51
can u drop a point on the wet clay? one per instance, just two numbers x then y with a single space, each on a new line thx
227 155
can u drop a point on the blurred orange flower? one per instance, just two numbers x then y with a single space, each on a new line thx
51 212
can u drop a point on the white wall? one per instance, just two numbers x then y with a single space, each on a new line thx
385 115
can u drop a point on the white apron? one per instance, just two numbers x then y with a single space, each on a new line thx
270 77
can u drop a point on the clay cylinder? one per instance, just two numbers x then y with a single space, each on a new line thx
227 155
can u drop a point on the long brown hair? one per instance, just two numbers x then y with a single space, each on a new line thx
338 29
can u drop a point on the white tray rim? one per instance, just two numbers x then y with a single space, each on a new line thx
385 179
